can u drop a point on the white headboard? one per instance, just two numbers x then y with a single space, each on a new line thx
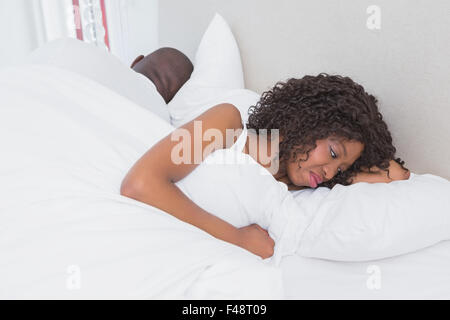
405 63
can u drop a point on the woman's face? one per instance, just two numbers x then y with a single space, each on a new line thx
325 161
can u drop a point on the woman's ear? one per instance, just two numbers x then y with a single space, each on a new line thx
136 61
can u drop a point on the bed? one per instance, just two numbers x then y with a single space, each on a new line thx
66 232
419 275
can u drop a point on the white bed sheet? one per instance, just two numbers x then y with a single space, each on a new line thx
424 274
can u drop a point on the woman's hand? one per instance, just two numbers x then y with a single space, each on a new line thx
377 175
256 240
396 172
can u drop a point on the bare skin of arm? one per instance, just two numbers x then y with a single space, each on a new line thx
376 175
152 180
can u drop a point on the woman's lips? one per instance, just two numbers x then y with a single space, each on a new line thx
314 180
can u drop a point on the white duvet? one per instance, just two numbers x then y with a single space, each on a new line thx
65 231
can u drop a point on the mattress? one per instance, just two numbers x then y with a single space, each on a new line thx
424 274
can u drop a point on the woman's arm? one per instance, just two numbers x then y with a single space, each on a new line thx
377 175
152 180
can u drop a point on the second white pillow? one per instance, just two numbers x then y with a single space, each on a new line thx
217 77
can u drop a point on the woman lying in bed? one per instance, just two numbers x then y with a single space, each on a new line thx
330 132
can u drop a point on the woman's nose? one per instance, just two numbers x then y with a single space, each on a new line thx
330 171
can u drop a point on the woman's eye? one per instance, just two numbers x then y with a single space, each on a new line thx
333 155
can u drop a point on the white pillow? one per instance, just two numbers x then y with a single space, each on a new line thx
217 77
366 221
104 68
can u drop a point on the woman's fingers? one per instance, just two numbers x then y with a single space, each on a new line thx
260 228
263 230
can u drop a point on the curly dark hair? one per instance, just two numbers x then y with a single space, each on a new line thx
316 107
